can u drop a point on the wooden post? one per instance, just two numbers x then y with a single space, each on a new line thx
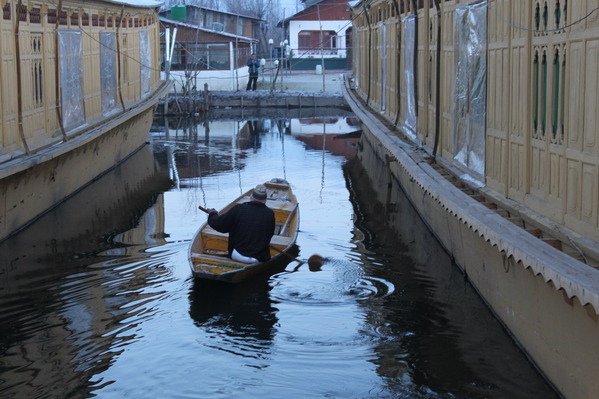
438 83
206 100
369 49
19 75
56 70
235 53
321 46
118 58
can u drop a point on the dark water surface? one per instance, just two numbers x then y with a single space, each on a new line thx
97 298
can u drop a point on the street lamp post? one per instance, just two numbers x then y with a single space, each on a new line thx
282 64
288 57
285 47
263 65
276 65
270 43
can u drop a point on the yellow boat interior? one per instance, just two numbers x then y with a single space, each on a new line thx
209 248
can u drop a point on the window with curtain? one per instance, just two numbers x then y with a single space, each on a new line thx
311 40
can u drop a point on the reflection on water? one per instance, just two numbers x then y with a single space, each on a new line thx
435 336
67 289
237 319
97 299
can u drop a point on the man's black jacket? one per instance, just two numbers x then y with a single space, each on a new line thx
250 225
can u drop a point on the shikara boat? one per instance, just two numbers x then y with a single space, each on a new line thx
208 256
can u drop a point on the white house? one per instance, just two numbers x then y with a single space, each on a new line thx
320 32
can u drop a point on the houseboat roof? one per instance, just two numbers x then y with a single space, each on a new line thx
308 11
232 13
137 3
163 10
216 32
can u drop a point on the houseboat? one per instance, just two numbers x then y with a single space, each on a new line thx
485 112
80 81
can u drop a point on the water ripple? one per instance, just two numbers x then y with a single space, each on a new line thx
84 316
337 282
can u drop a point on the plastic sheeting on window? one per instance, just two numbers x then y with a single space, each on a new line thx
70 54
409 93
470 87
383 72
108 78
145 57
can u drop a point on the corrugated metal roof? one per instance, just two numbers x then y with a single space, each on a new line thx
137 3
308 5
216 32
230 13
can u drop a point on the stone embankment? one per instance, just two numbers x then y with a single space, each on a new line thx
297 91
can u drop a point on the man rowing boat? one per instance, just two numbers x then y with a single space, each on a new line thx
250 225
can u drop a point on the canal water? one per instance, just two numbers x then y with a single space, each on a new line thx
97 297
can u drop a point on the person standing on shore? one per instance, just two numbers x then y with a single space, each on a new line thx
253 65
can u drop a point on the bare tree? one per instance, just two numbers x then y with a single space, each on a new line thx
269 11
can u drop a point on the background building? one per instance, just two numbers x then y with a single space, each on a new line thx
319 34
212 47
216 20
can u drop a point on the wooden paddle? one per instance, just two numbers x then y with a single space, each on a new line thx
201 208
314 260
298 260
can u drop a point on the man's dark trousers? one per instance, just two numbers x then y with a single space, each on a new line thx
252 82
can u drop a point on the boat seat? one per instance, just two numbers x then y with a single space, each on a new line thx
216 242
278 227
285 227
281 206
216 252
283 213
217 235
280 242
277 186
213 259
209 230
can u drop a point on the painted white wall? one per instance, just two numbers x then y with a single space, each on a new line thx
217 80
338 26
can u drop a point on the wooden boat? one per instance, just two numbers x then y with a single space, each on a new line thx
208 256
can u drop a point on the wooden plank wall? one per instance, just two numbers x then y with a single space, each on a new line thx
580 157
542 134
448 71
541 113
38 63
10 137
